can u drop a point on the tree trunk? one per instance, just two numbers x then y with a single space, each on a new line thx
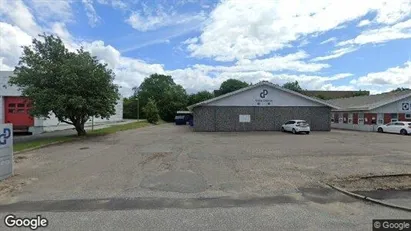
80 129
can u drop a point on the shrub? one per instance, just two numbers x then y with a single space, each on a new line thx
151 112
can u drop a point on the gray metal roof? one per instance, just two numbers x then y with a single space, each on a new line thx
266 83
369 102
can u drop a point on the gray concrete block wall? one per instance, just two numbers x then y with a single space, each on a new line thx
203 119
214 118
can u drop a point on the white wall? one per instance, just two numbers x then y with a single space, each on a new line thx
5 88
357 127
53 124
395 107
2 110
274 97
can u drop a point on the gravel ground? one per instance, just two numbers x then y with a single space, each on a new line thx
167 177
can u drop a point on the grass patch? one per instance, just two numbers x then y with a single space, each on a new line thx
119 128
41 142
102 131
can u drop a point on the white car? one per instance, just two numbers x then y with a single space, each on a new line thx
296 126
398 127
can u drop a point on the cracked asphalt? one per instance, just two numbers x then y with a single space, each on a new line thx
168 178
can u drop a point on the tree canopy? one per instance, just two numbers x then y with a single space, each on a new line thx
199 97
401 89
361 93
168 96
294 86
230 85
74 86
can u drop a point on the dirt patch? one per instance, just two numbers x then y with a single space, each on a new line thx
18 159
13 185
372 183
154 156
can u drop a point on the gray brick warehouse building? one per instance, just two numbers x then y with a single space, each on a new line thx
260 107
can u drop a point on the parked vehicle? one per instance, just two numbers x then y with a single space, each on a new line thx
296 126
398 127
180 120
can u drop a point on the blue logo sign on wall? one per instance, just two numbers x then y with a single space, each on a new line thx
263 93
405 106
4 136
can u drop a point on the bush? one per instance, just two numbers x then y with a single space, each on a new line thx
151 112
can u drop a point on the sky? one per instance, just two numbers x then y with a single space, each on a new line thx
323 44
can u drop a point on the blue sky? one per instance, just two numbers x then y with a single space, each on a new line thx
324 44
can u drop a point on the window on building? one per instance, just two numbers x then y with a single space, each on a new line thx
408 116
394 117
332 117
360 118
350 118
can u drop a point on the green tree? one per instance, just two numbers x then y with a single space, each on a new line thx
151 111
74 86
230 85
174 99
361 93
199 97
401 89
294 86
323 97
131 107
169 96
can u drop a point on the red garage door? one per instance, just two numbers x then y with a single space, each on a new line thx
17 112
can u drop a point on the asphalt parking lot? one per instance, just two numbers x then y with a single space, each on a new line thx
150 177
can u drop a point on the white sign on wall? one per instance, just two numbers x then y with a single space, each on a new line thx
6 150
244 118
405 106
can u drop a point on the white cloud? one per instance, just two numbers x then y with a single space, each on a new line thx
20 15
12 38
146 21
401 30
107 54
336 54
91 13
330 40
118 4
364 22
56 11
399 76
249 29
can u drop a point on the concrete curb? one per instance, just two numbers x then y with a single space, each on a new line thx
41 146
362 197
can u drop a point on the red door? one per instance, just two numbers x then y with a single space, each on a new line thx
17 112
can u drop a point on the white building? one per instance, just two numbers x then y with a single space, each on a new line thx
14 109
366 113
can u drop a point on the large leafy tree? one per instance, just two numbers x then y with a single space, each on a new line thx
294 86
169 96
230 85
131 107
73 86
199 97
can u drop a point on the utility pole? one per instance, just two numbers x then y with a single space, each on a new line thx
92 123
138 108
